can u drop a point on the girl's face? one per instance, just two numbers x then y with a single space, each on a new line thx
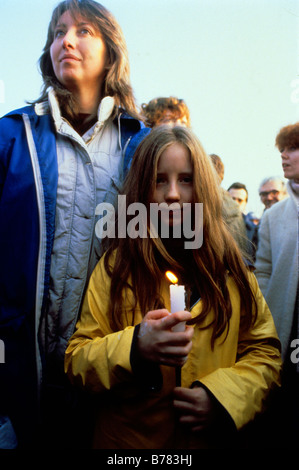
78 54
174 180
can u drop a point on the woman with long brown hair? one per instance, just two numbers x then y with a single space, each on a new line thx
60 158
114 72
158 387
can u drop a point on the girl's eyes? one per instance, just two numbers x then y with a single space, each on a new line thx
160 180
182 179
186 179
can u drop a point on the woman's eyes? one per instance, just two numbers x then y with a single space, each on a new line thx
58 33
84 31
81 32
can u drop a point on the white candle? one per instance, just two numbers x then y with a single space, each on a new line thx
177 298
177 303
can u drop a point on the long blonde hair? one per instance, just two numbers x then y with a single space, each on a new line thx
140 262
117 81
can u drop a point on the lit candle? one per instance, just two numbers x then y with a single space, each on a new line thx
177 299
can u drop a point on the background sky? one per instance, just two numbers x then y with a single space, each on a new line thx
234 62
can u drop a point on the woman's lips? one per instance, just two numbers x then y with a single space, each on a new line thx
69 57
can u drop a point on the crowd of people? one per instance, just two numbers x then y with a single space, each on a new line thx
97 356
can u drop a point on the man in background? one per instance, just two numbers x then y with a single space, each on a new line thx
271 190
239 194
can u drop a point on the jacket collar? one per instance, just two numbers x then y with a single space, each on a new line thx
291 192
105 109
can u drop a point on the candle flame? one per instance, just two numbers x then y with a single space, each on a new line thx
172 277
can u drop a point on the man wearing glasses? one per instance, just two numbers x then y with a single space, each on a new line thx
272 190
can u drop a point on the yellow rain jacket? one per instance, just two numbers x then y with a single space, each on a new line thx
135 408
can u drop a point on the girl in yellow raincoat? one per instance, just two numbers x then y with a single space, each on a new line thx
155 387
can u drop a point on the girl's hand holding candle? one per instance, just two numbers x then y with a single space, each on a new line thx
156 342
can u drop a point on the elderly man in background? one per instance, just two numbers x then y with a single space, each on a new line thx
271 190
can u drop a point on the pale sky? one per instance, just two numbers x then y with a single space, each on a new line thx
234 62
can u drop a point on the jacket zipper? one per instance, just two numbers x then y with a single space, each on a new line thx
42 242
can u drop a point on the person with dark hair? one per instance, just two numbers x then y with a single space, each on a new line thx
239 193
230 208
166 110
157 386
277 273
60 158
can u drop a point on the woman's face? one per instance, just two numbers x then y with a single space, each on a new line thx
174 180
290 163
78 54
